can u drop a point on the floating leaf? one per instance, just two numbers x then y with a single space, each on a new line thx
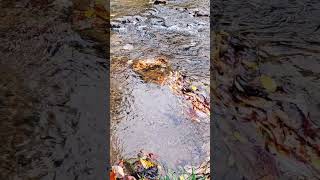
146 164
268 83
194 88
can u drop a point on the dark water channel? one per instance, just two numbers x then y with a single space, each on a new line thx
53 92
266 84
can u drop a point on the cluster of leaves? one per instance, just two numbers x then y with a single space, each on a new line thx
146 167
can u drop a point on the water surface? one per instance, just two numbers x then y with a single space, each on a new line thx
148 116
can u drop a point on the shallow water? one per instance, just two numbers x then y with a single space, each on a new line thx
148 116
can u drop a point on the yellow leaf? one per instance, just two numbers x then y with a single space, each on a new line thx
194 88
268 83
89 13
146 164
181 178
112 176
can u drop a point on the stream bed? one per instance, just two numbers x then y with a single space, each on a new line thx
146 115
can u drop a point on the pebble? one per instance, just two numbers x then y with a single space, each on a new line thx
128 47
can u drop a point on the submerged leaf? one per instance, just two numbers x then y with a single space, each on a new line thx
238 136
231 161
268 83
89 13
316 162
100 2
251 65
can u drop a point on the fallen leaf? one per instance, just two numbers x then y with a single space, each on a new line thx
118 170
268 83
112 175
146 164
194 88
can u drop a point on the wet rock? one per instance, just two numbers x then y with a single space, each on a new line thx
199 13
128 47
160 2
153 71
115 25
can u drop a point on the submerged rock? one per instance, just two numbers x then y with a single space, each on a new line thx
156 71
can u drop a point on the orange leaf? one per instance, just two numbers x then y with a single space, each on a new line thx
112 175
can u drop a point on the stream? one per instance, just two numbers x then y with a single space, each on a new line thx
149 116
264 85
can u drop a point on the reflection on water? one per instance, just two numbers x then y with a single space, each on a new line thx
266 89
149 116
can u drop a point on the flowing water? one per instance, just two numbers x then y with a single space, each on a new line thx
53 94
53 75
149 116
266 89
